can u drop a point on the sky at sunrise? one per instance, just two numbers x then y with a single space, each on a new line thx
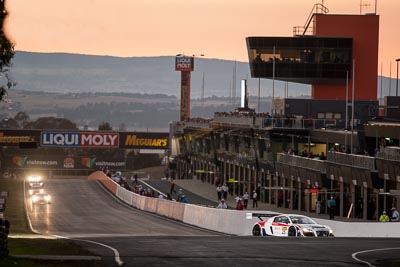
216 28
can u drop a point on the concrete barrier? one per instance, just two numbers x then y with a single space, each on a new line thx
150 204
105 180
362 229
220 220
232 221
171 209
124 195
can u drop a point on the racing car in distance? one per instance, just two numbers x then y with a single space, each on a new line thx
289 225
35 187
41 198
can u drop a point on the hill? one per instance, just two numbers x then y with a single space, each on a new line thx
69 73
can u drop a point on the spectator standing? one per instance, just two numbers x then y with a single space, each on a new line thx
280 198
384 217
219 192
332 208
255 199
172 190
318 207
222 204
225 191
245 199
395 215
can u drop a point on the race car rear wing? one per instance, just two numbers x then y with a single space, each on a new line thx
250 215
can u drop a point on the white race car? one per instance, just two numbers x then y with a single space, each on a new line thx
289 225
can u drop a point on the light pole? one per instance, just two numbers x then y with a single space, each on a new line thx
397 77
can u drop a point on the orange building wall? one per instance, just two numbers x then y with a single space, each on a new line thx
364 29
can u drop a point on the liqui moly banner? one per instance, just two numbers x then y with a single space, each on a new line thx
79 139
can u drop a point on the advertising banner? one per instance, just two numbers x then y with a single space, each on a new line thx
79 139
14 137
183 63
85 139
144 140
65 163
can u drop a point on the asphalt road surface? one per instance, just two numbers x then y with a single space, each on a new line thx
84 211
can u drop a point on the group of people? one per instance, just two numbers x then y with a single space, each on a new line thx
241 202
180 197
222 191
395 217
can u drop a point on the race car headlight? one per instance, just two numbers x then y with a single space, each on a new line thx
30 192
34 178
307 230
41 190
47 198
35 198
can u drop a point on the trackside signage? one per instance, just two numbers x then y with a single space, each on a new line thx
146 140
79 139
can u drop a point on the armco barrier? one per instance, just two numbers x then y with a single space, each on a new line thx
105 180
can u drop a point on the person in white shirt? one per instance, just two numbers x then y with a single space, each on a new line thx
219 191
395 215
255 199
222 204
245 199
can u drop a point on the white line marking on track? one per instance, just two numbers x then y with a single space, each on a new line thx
354 255
27 213
117 257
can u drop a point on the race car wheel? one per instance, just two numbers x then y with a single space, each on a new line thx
292 231
332 235
256 230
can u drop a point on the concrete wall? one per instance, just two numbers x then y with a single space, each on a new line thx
232 221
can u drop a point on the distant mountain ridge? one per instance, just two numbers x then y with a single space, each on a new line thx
68 73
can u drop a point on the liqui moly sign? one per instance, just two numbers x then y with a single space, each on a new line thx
79 139
183 63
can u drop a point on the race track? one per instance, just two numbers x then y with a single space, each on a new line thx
85 211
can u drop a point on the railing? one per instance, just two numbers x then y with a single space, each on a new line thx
359 161
389 153
259 121
308 163
317 9
299 123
